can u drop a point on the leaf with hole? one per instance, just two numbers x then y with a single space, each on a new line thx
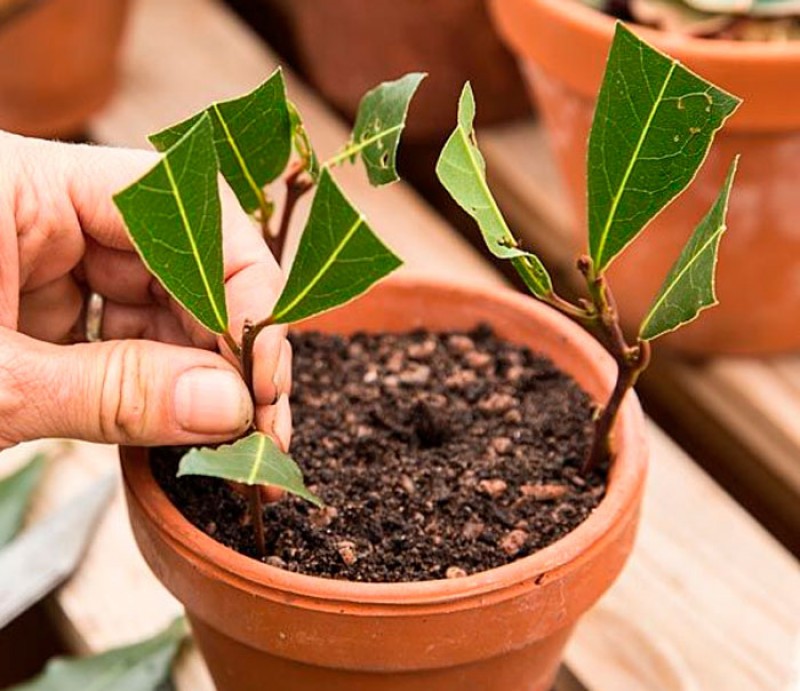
462 171
252 137
689 287
16 492
143 666
380 121
339 257
653 126
174 219
254 460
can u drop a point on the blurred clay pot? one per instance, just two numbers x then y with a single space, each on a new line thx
499 630
345 47
57 63
563 46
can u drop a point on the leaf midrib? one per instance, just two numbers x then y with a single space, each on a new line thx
193 244
629 170
262 441
364 143
323 270
239 158
657 304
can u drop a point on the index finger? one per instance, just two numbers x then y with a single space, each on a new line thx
253 280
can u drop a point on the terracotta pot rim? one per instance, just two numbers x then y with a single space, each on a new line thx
626 479
571 40
597 22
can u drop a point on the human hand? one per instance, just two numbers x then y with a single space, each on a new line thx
155 379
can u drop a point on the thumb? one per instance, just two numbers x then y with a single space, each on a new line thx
122 392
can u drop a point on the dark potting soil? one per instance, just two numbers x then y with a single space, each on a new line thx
437 456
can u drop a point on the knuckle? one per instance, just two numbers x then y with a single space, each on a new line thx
123 409
15 376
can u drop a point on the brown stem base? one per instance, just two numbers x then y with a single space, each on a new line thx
257 517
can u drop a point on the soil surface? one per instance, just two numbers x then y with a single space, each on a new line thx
437 455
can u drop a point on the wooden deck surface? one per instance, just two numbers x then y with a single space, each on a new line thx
709 600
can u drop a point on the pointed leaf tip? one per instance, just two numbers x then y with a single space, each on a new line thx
466 108
339 257
380 121
252 138
462 171
254 460
174 219
654 123
690 286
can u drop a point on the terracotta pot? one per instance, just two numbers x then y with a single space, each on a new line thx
58 64
346 47
563 47
503 629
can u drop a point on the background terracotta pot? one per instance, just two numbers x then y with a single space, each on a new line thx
58 64
500 630
563 47
345 47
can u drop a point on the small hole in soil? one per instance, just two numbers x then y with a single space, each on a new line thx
430 427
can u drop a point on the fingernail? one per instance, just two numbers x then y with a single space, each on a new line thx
212 401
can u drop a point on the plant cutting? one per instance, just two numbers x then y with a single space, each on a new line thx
174 218
562 44
462 483
645 147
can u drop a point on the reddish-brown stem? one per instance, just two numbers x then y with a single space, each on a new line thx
250 333
298 182
628 373
257 516
631 361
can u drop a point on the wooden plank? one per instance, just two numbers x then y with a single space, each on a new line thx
687 613
743 412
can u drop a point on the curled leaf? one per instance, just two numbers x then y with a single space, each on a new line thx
302 144
462 171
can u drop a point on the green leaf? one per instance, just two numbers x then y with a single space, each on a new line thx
380 121
302 144
653 125
462 171
142 666
252 136
16 492
689 287
339 258
254 460
174 218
